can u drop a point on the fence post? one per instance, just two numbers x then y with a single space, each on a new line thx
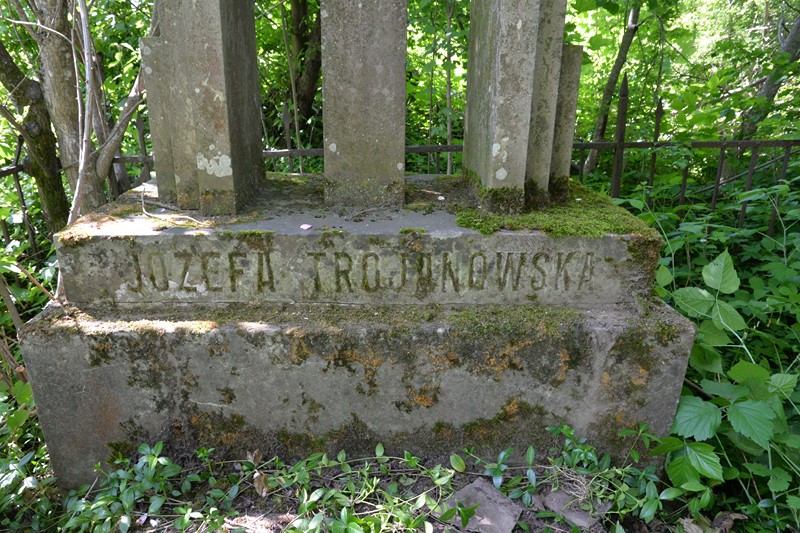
720 165
653 156
619 137
784 169
749 183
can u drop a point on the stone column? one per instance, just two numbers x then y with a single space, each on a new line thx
566 112
550 40
364 90
203 83
502 47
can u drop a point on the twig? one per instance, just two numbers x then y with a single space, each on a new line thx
171 219
36 282
12 308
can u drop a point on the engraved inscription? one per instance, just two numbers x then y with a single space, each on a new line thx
348 273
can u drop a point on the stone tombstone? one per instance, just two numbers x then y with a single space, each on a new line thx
364 65
502 52
201 78
513 91
300 327
547 73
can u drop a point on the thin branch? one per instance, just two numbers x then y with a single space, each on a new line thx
10 306
105 153
42 27
86 137
14 5
9 116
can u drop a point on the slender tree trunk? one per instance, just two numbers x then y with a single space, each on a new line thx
790 48
43 164
611 85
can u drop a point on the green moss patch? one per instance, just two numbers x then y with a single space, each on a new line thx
586 213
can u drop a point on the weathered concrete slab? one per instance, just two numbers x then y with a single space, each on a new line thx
364 90
502 51
295 379
399 257
203 72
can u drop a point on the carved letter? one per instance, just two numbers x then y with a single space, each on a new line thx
344 264
164 285
424 274
478 281
503 271
403 273
535 283
588 270
449 272
187 261
365 269
205 267
318 256
561 268
137 270
233 267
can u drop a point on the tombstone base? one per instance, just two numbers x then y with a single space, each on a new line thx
293 328
291 380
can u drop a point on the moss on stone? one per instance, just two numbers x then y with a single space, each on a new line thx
586 213
412 231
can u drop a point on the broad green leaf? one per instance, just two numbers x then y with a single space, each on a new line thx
648 511
785 383
696 418
530 455
379 450
693 486
663 276
747 371
712 335
703 457
670 493
753 419
779 480
727 390
156 502
696 302
757 469
457 463
705 358
681 471
667 445
726 317
721 275
790 440
793 502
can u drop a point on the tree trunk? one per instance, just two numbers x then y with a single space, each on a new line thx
611 85
308 78
43 164
790 48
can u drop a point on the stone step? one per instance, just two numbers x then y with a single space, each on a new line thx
295 379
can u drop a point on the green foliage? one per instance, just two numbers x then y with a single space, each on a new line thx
735 443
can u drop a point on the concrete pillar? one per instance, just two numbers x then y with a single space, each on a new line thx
502 46
566 112
364 90
159 111
550 40
204 76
